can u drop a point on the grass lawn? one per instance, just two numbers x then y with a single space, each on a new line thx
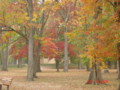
49 79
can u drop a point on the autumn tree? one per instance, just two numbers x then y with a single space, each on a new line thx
7 23
64 11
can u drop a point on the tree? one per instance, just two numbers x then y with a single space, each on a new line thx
8 22
30 43
65 12
42 20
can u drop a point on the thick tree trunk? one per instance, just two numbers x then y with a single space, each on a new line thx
30 58
4 55
30 71
92 78
66 61
95 76
57 65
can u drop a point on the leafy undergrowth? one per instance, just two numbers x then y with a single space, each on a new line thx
49 79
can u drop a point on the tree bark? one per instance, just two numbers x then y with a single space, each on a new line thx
88 66
4 55
30 71
57 65
35 69
95 76
117 10
92 77
0 87
79 64
119 70
30 57
66 61
117 4
118 47
38 67
115 65
19 63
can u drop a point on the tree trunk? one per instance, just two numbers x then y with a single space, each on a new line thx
38 68
117 4
30 57
37 59
35 69
43 22
66 61
57 65
119 69
92 77
117 10
4 55
79 64
115 65
109 64
95 76
118 47
19 63
0 87
30 71
88 66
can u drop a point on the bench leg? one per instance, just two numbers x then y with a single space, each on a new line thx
0 87
7 87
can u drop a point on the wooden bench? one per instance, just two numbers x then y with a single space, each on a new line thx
6 82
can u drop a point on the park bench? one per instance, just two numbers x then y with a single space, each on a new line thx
6 82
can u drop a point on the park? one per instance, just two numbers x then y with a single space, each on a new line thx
59 44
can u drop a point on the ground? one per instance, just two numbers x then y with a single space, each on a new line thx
49 79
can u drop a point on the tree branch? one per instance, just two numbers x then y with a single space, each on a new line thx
11 29
111 3
12 42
